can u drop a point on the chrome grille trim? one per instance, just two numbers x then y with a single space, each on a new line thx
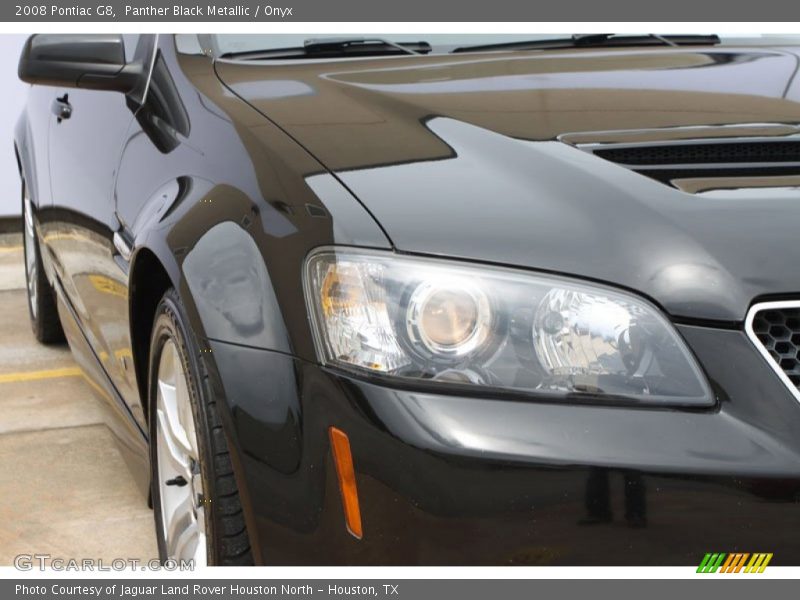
762 349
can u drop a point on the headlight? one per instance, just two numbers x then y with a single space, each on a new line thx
445 322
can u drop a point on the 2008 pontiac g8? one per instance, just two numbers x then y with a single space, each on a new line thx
456 300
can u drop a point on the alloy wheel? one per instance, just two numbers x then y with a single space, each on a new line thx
179 477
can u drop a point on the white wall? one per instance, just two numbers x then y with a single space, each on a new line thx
13 93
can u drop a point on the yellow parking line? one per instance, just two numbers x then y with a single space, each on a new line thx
10 249
36 375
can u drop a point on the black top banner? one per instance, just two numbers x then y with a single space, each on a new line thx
401 11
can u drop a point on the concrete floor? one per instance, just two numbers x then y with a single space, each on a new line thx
64 487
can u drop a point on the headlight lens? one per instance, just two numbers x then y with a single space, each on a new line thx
447 322
448 318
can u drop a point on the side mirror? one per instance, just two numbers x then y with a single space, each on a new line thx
91 61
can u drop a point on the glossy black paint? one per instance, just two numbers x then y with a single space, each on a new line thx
456 157
453 480
230 174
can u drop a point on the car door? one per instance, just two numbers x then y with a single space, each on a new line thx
87 131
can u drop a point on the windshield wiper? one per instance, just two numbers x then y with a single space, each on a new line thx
598 40
337 47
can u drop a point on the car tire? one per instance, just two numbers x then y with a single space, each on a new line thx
198 514
41 296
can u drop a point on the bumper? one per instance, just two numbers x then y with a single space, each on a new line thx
452 480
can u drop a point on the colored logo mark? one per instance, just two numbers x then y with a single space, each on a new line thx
737 562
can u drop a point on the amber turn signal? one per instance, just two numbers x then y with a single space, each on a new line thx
343 458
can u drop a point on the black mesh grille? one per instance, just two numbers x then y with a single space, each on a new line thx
688 154
778 330
669 175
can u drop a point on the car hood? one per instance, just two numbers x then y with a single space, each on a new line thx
494 157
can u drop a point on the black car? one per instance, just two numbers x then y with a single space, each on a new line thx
430 301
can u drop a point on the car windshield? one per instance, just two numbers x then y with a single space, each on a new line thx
240 44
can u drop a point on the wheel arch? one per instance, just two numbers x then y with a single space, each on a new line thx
149 279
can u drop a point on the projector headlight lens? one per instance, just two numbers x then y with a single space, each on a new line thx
449 323
449 318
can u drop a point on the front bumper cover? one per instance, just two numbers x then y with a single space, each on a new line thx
457 480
